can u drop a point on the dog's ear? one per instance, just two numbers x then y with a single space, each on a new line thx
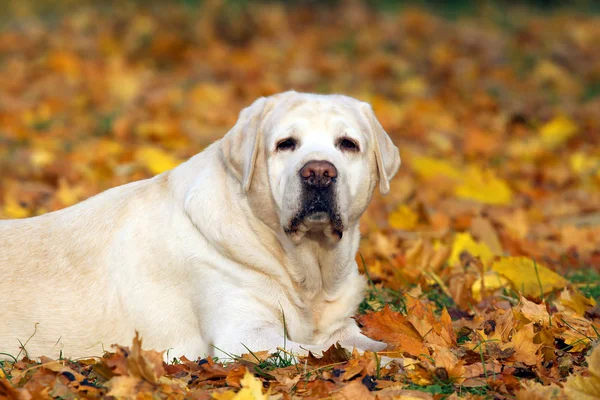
241 144
386 153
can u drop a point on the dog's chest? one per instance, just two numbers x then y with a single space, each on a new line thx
321 316
324 297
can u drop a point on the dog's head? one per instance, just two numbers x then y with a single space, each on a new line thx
309 163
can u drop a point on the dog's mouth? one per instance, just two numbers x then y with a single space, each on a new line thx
318 215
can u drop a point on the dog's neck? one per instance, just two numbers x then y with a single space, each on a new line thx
314 266
323 267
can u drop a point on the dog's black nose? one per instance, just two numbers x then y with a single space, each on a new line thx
318 173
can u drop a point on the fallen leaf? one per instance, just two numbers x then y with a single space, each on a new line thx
531 278
430 167
536 391
490 281
575 302
124 387
335 354
452 368
524 346
13 209
403 218
464 242
399 393
557 131
145 364
484 187
434 330
485 231
533 312
252 389
353 390
394 329
9 392
586 387
156 160
235 376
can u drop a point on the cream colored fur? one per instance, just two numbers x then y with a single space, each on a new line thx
197 257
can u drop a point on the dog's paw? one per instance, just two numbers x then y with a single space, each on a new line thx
363 343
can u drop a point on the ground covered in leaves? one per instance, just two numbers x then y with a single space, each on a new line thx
484 261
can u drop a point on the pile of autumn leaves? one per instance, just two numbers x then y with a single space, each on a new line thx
498 350
496 202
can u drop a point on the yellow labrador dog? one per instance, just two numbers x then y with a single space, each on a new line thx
260 228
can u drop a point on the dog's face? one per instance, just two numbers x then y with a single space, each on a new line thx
318 165
322 157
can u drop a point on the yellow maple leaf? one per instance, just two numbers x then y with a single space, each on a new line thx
526 276
533 312
251 390
525 349
557 131
429 167
155 160
484 187
446 359
107 148
491 280
210 94
576 332
582 163
227 395
581 387
412 86
526 149
67 194
161 128
65 62
124 387
12 208
465 242
576 302
531 390
403 218
124 84
41 157
551 73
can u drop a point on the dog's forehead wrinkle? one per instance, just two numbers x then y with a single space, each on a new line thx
316 120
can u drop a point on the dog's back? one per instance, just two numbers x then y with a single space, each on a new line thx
52 263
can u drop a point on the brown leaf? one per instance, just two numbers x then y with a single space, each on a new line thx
394 329
397 392
586 386
145 364
335 354
434 330
353 390
8 392
125 387
525 348
536 391
235 376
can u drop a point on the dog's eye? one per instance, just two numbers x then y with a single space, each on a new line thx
346 144
287 144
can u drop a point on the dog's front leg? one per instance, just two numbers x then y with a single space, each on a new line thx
351 337
266 337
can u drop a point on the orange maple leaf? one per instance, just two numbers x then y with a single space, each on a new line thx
394 329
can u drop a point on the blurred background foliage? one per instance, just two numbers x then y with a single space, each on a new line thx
494 106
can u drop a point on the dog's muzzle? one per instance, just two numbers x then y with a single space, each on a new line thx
318 211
